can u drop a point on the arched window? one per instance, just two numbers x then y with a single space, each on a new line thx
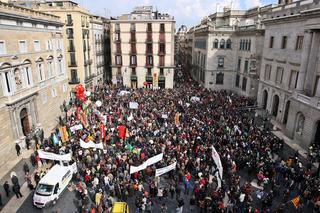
50 66
228 46
300 123
222 44
216 44
249 45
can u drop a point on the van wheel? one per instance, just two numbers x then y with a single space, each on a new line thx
54 202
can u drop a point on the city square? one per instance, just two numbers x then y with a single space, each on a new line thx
130 113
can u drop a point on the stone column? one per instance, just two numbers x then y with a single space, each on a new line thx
311 71
307 41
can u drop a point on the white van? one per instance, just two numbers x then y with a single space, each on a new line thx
53 184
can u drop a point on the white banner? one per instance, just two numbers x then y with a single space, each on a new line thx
133 105
154 159
166 169
124 92
134 169
218 163
76 127
53 156
195 98
90 144
164 116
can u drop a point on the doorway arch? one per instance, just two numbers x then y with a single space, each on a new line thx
275 105
286 112
316 139
24 118
265 99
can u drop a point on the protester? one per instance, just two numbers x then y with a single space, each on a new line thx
18 149
183 124
6 187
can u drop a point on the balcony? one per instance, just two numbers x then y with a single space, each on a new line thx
101 64
70 36
133 77
162 38
69 22
89 78
87 62
133 40
161 64
133 65
71 49
74 80
161 78
149 78
117 40
161 52
72 64
149 52
148 65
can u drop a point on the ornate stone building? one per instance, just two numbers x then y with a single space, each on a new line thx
289 79
33 80
227 50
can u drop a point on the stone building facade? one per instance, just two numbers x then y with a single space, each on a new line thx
33 80
97 33
227 50
142 49
289 86
78 39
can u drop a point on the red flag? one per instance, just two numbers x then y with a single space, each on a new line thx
122 132
102 132
78 113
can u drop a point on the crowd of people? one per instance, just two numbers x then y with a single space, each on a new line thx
184 129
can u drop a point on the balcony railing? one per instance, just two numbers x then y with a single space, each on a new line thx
74 80
149 65
133 77
88 62
149 78
70 35
72 64
69 22
71 49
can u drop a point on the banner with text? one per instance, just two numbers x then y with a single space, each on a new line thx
91 144
53 156
166 169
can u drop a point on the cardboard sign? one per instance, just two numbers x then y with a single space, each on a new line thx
133 105
53 156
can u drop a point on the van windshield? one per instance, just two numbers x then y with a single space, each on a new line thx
44 190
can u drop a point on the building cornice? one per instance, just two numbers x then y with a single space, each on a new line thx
30 19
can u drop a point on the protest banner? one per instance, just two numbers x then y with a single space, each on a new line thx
134 169
166 169
64 134
53 156
76 127
91 144
217 161
154 159
133 105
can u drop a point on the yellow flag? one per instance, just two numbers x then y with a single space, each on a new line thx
295 201
64 134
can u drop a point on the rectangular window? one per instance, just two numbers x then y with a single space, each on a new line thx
219 78
117 26
149 27
27 70
149 48
237 80
54 92
69 19
133 60
41 72
161 60
267 72
279 75
299 43
239 65
133 71
271 42
162 48
2 48
293 79
118 60
161 71
23 46
220 62
244 84
284 42
162 28
149 60
36 46
73 61
246 66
